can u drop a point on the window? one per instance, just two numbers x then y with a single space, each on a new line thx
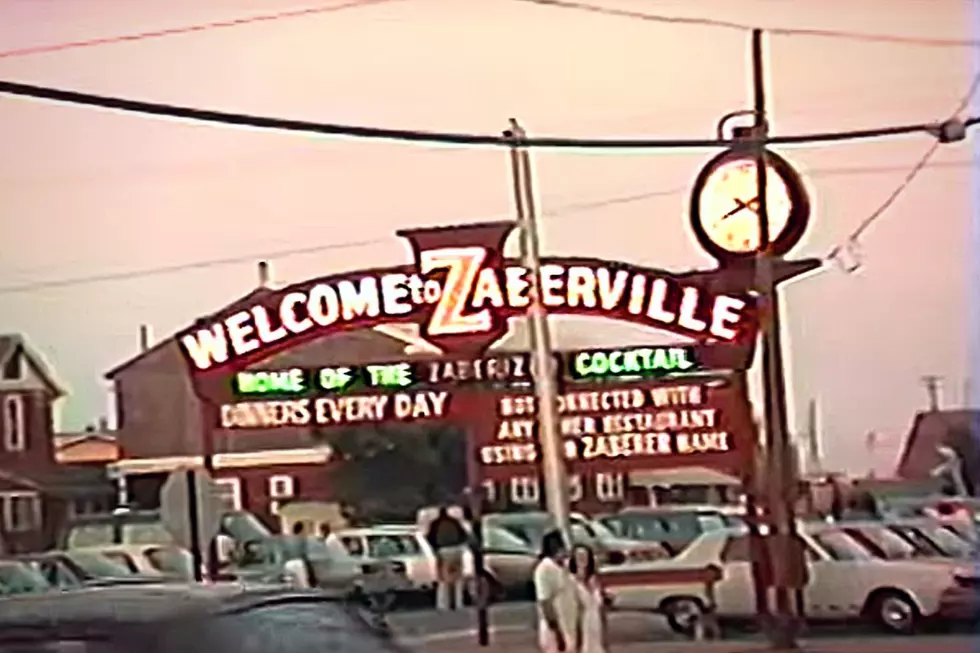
883 543
123 559
13 368
609 487
229 492
393 546
281 486
21 511
14 431
490 490
841 547
574 488
524 490
354 546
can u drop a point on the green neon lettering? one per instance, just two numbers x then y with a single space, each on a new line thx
615 362
281 382
582 365
335 378
390 376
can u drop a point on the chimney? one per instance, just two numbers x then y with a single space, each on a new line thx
263 274
932 385
103 425
144 337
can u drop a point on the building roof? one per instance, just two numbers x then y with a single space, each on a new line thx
955 429
15 344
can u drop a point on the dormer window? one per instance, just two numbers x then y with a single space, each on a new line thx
13 367
14 427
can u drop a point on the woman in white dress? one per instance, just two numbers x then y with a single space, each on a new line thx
557 597
582 565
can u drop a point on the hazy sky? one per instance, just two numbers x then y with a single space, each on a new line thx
84 192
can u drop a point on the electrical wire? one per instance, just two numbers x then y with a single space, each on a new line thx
744 27
848 254
187 29
444 138
561 211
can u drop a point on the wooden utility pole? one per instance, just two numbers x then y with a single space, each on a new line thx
784 557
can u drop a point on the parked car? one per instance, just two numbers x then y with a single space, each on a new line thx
79 568
905 540
611 549
163 562
508 560
17 578
333 567
126 526
847 582
182 618
675 527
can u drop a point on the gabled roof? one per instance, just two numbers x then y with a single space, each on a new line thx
951 428
14 344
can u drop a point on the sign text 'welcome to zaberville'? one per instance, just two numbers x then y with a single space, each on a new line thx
461 292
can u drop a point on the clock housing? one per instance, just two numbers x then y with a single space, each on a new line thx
724 201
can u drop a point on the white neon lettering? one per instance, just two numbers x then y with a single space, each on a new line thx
658 299
581 287
462 264
359 300
487 290
287 313
689 304
551 285
263 326
240 333
207 347
394 291
323 305
727 312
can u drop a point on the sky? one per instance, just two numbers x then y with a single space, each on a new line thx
88 193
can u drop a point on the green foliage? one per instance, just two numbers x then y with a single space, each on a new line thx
389 471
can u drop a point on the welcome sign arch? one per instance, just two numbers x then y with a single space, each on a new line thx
621 409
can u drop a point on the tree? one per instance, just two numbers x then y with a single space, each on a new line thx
389 471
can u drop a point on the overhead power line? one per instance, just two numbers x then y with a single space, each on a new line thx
444 138
851 247
745 27
561 211
187 29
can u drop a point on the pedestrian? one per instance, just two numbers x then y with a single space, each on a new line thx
449 541
326 532
297 566
559 609
582 565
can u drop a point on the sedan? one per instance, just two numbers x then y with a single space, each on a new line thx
611 549
73 569
18 578
182 618
847 582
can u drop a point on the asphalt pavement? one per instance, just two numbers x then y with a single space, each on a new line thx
513 629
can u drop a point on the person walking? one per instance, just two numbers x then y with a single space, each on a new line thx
448 540
559 608
583 568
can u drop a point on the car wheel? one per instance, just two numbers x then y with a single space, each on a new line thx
683 615
894 612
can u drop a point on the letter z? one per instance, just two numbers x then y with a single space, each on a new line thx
462 265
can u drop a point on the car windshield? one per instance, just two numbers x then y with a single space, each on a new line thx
16 578
887 544
531 529
243 527
660 526
842 547
497 539
330 549
96 534
939 539
96 565
391 545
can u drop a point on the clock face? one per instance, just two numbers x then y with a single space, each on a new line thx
729 203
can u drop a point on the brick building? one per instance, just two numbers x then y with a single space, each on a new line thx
36 493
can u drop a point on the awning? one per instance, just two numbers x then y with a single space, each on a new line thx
273 458
682 476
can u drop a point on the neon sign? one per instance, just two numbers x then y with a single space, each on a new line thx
639 425
461 292
633 361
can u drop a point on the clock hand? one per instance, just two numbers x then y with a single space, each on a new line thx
739 206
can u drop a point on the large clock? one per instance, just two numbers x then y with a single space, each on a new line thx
725 206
